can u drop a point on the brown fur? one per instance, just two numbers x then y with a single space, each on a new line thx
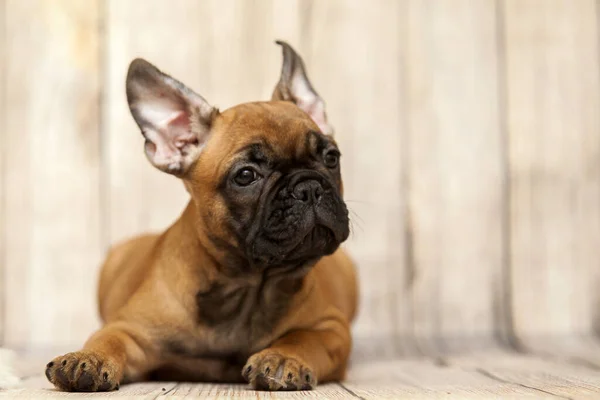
174 309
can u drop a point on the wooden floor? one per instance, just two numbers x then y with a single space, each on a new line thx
484 375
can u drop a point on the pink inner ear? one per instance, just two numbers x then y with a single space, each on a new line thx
309 102
177 130
179 119
170 136
316 111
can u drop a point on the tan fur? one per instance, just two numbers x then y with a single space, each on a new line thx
148 288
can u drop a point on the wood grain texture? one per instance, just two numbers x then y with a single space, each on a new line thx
341 42
38 387
548 376
245 62
454 172
553 122
423 379
51 195
3 227
213 391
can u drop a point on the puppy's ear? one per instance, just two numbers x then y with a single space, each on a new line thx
294 86
175 121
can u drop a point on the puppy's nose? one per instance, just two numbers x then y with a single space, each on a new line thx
308 191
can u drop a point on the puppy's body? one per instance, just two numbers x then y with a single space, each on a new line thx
249 281
257 309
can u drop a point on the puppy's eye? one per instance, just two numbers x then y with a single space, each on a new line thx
331 159
245 176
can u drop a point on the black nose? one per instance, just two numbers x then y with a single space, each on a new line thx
308 191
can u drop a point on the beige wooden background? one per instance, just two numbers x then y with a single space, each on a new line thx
470 139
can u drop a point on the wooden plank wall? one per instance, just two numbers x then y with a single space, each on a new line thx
552 111
469 130
2 169
455 176
52 186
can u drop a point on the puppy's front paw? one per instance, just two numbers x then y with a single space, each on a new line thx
83 371
272 370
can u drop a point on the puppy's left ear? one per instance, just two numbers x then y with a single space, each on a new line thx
294 86
175 121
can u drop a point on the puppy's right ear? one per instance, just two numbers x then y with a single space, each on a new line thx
175 121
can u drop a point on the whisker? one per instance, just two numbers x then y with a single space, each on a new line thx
353 229
356 215
355 221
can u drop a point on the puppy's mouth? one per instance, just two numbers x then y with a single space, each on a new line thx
300 249
317 242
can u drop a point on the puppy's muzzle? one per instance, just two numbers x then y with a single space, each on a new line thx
305 219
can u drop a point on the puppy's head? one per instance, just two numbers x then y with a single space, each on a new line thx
265 176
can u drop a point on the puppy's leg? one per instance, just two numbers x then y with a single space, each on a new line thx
299 359
114 352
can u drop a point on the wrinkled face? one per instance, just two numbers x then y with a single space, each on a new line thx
277 195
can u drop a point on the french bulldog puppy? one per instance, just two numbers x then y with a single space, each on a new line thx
249 283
